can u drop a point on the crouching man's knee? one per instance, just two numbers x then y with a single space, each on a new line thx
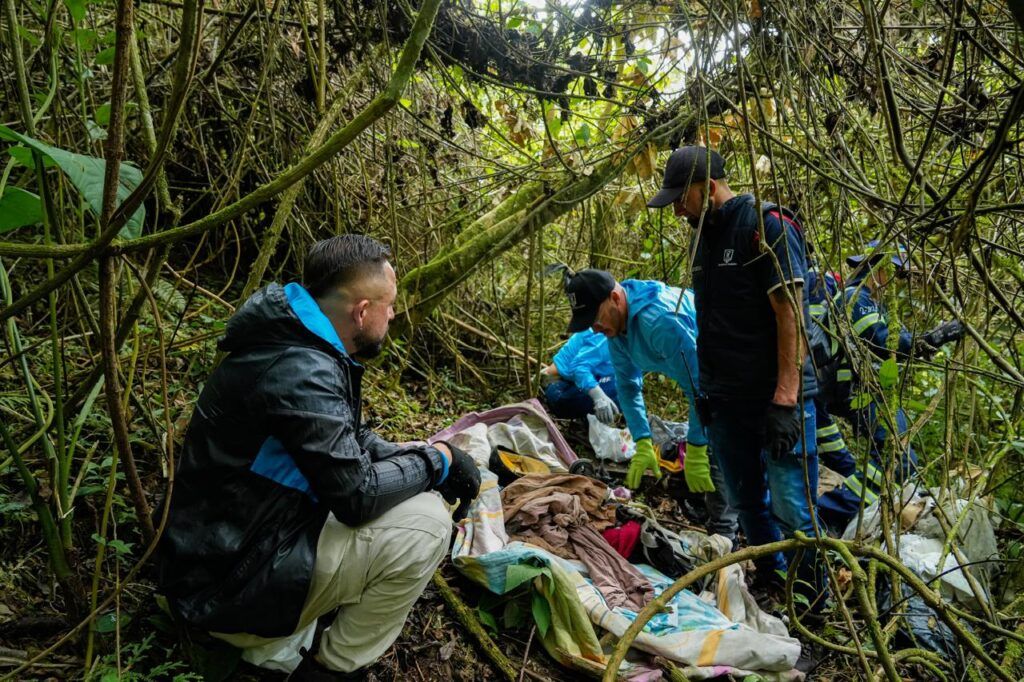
411 539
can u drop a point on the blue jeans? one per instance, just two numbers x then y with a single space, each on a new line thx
567 401
774 498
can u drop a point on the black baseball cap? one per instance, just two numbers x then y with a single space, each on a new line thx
587 290
685 166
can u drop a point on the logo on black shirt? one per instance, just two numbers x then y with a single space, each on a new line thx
727 257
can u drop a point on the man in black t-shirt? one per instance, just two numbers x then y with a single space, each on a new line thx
756 380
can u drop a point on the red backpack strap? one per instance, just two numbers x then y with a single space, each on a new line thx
783 218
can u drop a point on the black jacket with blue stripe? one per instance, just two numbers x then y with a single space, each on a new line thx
275 443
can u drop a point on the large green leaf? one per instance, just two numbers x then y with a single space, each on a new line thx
888 373
86 173
19 208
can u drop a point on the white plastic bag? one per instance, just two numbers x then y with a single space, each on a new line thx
609 442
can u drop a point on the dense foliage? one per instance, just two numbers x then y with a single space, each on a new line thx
482 144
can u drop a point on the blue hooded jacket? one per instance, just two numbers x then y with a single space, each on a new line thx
660 336
584 359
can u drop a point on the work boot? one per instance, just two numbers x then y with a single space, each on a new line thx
312 670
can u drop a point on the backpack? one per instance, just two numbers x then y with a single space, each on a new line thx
818 341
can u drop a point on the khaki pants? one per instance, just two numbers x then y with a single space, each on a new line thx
374 573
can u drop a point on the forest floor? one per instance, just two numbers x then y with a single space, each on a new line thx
432 646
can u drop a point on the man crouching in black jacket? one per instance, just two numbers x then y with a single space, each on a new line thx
285 505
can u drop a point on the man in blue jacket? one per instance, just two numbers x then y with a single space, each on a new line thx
749 268
286 506
581 379
650 327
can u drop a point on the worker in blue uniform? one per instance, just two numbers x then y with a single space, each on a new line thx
580 379
869 323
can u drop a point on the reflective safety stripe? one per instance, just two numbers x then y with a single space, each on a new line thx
863 323
854 484
827 430
874 474
832 446
817 310
844 375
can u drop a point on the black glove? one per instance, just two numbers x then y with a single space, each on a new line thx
945 333
463 482
783 427
926 345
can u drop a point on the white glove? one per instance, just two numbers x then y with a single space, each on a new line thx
604 409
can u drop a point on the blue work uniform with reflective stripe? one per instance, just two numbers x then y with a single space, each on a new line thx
660 336
869 321
822 287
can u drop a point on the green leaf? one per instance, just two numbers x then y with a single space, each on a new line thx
19 208
120 546
860 401
23 156
85 38
583 134
488 619
405 102
103 114
109 620
541 613
77 9
105 57
517 574
888 373
28 36
86 173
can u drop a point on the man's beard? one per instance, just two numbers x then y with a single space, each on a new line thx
367 347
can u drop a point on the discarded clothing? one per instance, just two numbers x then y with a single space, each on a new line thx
624 538
744 641
563 515
544 441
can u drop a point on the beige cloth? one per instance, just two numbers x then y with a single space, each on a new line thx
374 573
563 514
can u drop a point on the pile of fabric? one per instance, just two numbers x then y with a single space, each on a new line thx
588 553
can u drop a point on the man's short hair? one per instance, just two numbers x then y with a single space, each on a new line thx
340 260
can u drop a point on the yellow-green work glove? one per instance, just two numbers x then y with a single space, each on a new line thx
697 469
643 459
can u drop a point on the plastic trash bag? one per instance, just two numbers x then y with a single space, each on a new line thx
609 442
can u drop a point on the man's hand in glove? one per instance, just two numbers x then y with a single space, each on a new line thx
643 459
946 332
697 469
782 429
604 408
463 481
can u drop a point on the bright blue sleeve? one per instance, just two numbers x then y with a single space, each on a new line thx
788 246
570 361
629 382
674 337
